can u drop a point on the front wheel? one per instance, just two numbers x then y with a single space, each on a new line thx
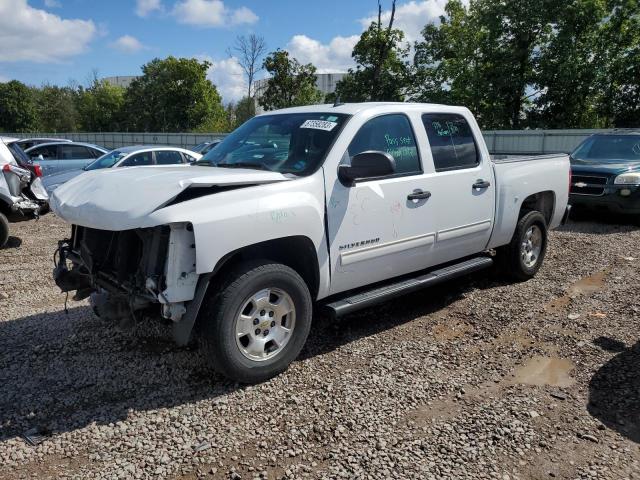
523 257
4 230
257 322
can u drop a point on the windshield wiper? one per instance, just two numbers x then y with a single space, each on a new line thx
259 166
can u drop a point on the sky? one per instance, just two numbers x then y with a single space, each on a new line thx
58 41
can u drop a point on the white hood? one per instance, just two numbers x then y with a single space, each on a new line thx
121 198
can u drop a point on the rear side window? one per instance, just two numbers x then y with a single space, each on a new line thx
391 134
168 157
75 152
451 140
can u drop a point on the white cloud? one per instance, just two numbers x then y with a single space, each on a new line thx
31 34
145 7
411 17
211 13
228 77
335 56
52 4
128 44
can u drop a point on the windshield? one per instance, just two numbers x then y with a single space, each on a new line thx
613 148
287 143
107 160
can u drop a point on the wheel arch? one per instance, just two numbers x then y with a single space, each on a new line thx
297 252
543 202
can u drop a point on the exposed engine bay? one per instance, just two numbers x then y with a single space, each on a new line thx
131 272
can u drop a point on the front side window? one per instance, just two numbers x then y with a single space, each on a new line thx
48 152
95 153
451 140
168 157
391 134
139 159
294 143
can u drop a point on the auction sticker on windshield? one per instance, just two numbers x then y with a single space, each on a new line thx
319 125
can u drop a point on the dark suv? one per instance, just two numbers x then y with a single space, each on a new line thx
606 172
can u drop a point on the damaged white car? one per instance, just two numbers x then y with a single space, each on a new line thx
22 196
342 206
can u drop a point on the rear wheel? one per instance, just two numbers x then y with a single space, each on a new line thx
4 230
523 257
257 322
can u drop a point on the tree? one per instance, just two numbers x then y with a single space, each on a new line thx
244 110
17 107
497 56
56 108
101 107
174 94
568 70
620 52
382 72
291 84
249 51
448 63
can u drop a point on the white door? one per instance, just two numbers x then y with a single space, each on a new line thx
375 230
463 187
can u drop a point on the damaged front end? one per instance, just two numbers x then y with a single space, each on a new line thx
144 271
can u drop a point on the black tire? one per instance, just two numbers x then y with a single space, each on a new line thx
4 230
222 306
510 256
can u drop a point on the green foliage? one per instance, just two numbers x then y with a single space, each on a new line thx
568 69
244 110
17 107
291 84
101 106
620 53
540 63
174 95
57 108
382 72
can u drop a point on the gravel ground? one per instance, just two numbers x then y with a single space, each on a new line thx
474 379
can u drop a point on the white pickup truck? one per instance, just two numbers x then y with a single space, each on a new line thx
341 206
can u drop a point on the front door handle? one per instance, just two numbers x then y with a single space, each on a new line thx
418 195
481 184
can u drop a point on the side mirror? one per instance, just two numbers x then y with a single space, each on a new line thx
369 164
40 158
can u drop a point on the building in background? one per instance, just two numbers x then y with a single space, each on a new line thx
123 82
325 82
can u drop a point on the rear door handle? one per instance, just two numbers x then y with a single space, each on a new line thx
418 195
481 184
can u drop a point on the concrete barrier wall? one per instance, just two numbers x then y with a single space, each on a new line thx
508 142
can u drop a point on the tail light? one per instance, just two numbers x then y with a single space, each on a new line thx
6 167
37 169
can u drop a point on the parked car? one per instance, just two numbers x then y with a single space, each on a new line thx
25 143
340 207
57 157
21 193
133 156
606 172
204 147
